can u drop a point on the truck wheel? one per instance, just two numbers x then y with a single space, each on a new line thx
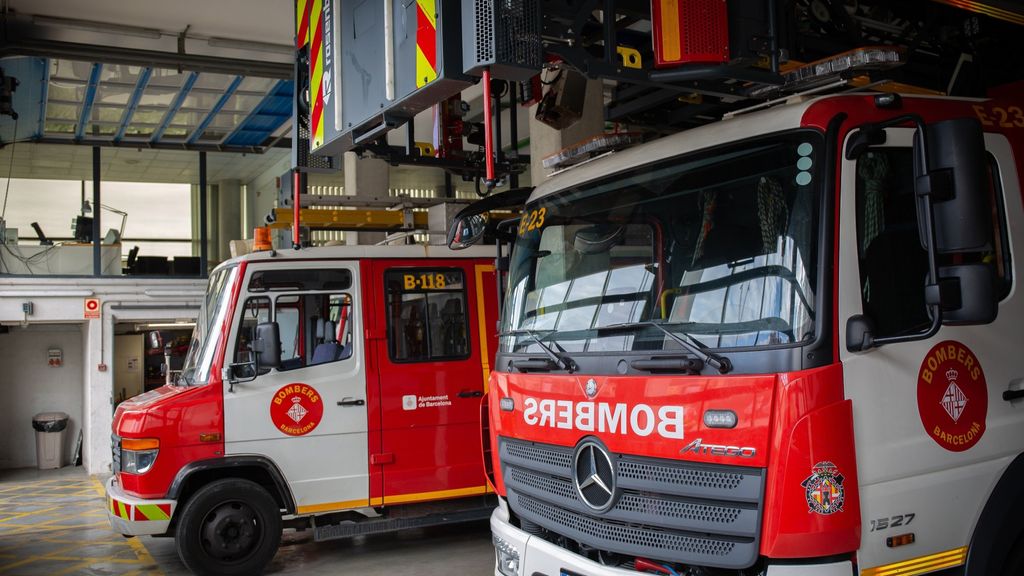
228 527
1015 559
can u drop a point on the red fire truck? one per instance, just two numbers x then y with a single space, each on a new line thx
779 344
338 388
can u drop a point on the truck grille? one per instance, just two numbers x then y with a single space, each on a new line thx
667 510
115 448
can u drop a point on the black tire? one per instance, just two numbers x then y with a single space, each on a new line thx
228 527
1014 565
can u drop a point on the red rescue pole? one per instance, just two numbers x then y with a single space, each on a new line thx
296 185
488 129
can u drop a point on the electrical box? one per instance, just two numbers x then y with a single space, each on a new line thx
379 64
503 35
10 236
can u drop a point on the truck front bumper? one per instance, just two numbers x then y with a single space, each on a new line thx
134 516
534 556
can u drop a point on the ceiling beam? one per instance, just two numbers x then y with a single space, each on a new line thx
228 92
145 58
190 81
147 145
44 94
90 97
133 102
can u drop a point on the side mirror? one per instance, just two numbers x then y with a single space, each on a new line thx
267 345
466 231
957 180
469 224
860 332
968 294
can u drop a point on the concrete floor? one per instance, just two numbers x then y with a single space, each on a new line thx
53 522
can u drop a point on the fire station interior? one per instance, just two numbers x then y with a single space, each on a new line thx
145 144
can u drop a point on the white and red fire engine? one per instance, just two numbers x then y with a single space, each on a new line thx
784 343
337 387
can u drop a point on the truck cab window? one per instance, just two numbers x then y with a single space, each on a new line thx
893 265
256 311
315 328
427 318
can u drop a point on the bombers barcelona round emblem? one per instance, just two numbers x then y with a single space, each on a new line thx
296 409
823 489
952 396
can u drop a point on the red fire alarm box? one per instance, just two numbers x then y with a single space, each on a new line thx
689 31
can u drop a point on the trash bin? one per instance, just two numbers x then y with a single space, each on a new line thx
50 428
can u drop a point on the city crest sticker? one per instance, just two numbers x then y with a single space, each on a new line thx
824 490
952 396
296 409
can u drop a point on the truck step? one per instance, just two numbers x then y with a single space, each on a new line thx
350 528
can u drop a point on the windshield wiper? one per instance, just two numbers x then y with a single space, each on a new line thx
563 362
692 345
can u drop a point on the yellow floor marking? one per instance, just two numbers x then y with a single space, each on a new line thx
134 543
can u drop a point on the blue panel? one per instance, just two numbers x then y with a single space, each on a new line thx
273 111
215 110
29 98
133 102
90 97
175 106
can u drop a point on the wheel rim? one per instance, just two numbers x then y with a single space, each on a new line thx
231 531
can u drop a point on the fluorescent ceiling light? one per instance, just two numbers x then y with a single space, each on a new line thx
216 42
93 26
44 293
165 325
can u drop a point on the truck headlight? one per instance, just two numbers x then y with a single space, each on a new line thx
507 557
138 454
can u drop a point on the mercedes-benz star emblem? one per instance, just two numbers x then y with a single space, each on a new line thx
591 388
594 476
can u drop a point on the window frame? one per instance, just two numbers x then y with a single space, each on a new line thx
389 294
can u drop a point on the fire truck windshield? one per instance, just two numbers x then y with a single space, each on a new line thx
722 245
206 335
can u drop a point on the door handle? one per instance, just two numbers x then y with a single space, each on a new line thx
351 402
470 394
1011 395
1016 391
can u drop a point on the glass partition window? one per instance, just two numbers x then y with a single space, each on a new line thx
427 318
720 245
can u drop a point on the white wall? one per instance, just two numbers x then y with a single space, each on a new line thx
60 301
29 386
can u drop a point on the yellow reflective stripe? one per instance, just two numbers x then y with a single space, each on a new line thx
152 512
670 49
316 78
429 9
425 73
300 12
921 564
122 511
423 496
332 506
481 309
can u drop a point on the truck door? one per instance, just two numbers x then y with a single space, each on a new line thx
932 430
307 416
432 365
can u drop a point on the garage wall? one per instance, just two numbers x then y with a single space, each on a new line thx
29 386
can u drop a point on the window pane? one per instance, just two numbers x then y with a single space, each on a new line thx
427 315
